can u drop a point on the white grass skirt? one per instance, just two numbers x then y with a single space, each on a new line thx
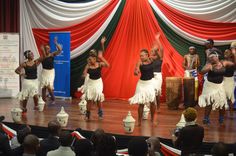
29 89
229 88
93 90
213 94
47 78
144 93
157 82
83 87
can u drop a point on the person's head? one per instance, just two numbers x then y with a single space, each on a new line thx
219 149
96 137
29 55
92 59
106 146
228 54
83 147
31 144
144 55
153 145
1 119
47 49
22 132
154 53
65 138
213 57
190 114
192 50
138 147
209 43
233 47
54 128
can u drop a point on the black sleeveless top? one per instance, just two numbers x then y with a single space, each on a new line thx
157 65
216 75
94 74
30 71
229 71
146 71
48 63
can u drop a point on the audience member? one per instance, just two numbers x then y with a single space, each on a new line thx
64 149
83 147
219 149
138 147
106 146
154 146
52 142
31 145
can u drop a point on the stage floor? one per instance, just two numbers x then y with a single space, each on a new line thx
114 113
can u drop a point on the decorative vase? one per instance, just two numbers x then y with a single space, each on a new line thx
83 106
16 114
129 123
41 104
146 111
62 117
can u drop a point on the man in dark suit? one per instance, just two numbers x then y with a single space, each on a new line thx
190 137
52 142
5 149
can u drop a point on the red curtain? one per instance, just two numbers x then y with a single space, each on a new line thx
9 19
136 30
196 27
80 32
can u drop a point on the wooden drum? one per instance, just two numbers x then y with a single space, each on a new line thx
189 92
173 92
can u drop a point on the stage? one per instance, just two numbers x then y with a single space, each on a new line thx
114 113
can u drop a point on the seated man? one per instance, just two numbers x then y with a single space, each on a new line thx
52 142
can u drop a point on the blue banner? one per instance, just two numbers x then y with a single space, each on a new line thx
61 63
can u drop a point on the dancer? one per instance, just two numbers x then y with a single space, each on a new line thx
48 72
213 93
156 56
229 80
145 91
30 83
94 87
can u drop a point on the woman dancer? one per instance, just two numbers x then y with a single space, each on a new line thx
145 91
94 87
229 80
213 93
156 57
48 72
30 83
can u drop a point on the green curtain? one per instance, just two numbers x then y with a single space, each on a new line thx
78 63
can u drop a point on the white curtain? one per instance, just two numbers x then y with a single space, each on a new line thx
211 10
52 14
182 33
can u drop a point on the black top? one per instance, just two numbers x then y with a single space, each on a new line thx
48 62
31 71
229 71
146 71
216 75
5 149
94 74
49 144
157 65
190 139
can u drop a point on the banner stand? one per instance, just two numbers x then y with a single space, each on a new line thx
61 64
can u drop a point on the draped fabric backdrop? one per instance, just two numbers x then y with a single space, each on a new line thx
129 27
9 19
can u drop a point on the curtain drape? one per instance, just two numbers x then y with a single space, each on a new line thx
211 10
193 29
9 19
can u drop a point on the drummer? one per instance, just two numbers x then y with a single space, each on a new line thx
191 63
